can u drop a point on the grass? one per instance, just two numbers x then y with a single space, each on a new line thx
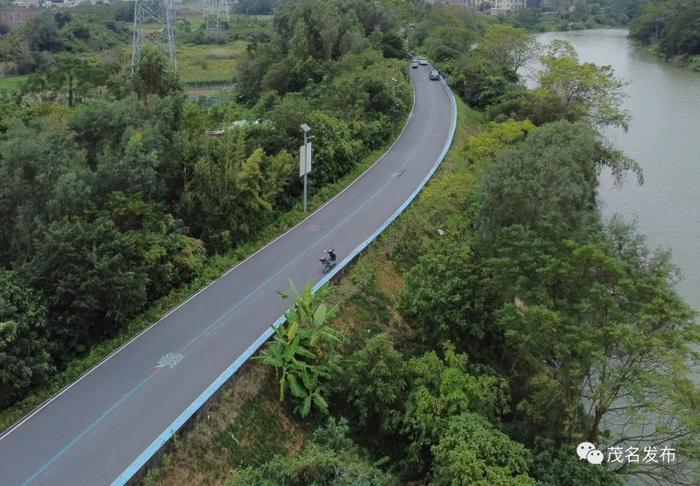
246 424
10 83
216 265
209 64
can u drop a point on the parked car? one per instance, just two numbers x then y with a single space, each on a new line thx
414 64
422 61
434 75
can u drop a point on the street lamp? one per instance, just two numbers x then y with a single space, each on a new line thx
305 159
394 101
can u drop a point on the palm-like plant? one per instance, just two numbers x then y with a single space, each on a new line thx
302 351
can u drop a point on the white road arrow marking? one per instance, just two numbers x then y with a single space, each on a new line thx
170 360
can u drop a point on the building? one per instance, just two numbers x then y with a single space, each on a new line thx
17 15
499 7
494 7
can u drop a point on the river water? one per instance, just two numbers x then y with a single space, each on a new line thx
664 138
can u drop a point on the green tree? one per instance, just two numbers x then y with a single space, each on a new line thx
583 90
372 382
228 191
553 466
44 180
68 76
328 458
25 359
550 178
671 25
87 272
471 451
605 313
509 47
152 76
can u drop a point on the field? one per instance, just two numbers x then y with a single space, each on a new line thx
8 83
208 64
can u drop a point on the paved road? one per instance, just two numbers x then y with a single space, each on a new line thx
101 429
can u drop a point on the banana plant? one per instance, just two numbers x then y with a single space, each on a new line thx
302 351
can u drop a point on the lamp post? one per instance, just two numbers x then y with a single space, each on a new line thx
305 161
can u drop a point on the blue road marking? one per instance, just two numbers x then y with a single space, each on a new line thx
86 430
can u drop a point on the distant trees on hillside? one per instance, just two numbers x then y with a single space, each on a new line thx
670 24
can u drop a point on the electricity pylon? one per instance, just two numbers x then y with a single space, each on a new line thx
213 11
153 26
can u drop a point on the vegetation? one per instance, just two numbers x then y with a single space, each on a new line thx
527 323
671 26
302 352
565 15
124 195
497 324
82 32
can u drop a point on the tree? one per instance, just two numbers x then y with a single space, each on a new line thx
302 352
605 314
153 77
90 276
584 90
25 359
483 148
228 191
42 33
471 451
553 466
100 124
69 75
44 180
442 298
372 382
509 47
670 24
328 458
550 178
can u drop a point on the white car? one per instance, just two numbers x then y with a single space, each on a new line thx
422 62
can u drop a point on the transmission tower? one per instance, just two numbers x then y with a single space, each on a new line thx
153 26
213 11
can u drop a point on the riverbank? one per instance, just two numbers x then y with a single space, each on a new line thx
663 101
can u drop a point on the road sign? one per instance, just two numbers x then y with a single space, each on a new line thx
304 159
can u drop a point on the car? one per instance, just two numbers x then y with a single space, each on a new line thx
422 61
434 75
414 64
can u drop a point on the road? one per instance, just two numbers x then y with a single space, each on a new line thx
106 425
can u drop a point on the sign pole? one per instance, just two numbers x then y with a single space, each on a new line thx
306 148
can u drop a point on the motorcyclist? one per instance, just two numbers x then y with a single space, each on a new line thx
328 259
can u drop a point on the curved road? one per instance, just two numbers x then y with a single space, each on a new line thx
105 426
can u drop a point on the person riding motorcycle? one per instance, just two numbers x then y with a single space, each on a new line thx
328 261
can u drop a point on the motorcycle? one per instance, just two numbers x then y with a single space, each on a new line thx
328 261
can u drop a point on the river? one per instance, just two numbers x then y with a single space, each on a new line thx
664 138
